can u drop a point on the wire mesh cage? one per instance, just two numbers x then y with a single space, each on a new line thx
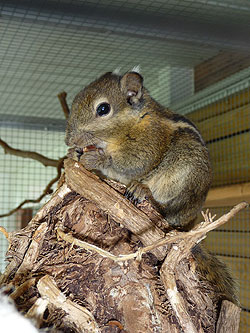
194 57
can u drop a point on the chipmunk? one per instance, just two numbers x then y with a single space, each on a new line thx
118 129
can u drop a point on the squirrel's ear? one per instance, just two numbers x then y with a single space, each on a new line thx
131 85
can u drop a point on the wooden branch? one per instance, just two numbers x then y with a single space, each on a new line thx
40 158
36 312
127 214
209 224
181 250
229 318
56 198
112 202
87 246
20 290
29 154
193 237
198 233
228 195
62 98
5 233
109 284
80 316
167 273
33 250
72 269
46 191
183 243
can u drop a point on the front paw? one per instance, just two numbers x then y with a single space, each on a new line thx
93 159
137 192
75 153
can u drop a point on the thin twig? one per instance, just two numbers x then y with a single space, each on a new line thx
29 154
5 233
196 235
74 241
40 158
180 251
62 98
48 190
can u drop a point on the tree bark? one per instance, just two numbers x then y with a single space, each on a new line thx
91 261
229 318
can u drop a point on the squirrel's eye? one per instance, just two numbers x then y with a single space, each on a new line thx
103 109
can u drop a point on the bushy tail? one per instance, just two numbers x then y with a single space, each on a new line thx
211 269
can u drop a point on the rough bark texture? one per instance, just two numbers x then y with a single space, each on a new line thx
229 318
80 290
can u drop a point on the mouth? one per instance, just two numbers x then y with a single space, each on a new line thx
80 151
89 148
86 145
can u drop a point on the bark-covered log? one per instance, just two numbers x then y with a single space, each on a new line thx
229 318
85 290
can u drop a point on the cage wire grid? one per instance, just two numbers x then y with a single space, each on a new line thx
47 43
48 46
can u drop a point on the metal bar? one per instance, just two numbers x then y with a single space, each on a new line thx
227 87
135 23
34 123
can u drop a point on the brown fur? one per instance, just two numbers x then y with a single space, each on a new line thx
155 152
143 145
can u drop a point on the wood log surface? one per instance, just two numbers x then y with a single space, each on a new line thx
80 289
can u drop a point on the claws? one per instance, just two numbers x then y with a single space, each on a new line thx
137 192
130 196
79 152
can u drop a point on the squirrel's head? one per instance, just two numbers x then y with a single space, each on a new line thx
104 107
